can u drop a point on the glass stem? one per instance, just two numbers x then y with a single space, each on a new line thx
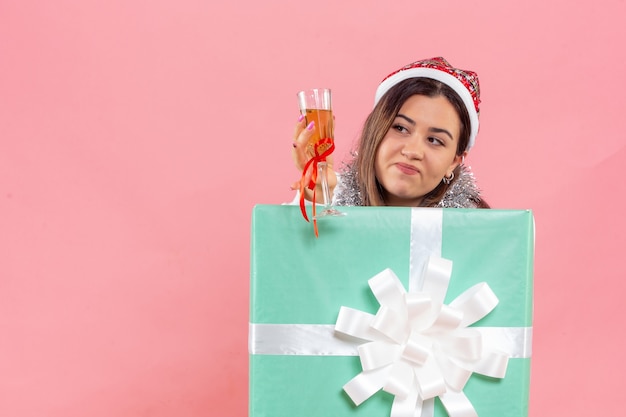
321 170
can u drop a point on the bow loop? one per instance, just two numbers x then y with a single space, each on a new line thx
417 348
392 323
378 354
475 303
400 380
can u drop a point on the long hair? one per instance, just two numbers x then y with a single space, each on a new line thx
380 121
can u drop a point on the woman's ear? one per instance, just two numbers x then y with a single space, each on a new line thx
458 160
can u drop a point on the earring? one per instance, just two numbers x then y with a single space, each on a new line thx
448 180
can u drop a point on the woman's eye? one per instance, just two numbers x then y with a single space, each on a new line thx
435 141
400 128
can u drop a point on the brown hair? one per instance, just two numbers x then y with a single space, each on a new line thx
380 121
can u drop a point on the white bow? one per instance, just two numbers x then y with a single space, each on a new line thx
420 348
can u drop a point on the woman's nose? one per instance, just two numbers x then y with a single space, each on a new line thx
413 149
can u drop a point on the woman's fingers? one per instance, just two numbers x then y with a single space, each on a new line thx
299 126
301 152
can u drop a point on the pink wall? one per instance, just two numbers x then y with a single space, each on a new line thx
136 136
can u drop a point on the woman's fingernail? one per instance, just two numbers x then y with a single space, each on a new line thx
301 117
310 126
294 144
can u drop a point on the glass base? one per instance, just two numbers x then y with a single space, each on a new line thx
329 212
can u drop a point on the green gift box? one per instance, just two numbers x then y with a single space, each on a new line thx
299 364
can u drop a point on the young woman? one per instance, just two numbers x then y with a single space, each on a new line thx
413 143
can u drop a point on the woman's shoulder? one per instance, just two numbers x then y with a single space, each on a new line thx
347 190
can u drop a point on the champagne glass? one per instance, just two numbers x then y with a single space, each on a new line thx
315 106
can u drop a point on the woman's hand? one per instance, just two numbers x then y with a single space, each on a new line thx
302 153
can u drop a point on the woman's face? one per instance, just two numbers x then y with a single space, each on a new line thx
418 150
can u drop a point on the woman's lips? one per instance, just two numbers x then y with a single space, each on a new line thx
407 169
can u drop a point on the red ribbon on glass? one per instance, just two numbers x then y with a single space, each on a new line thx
329 146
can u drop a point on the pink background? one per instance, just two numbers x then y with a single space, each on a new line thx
136 136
